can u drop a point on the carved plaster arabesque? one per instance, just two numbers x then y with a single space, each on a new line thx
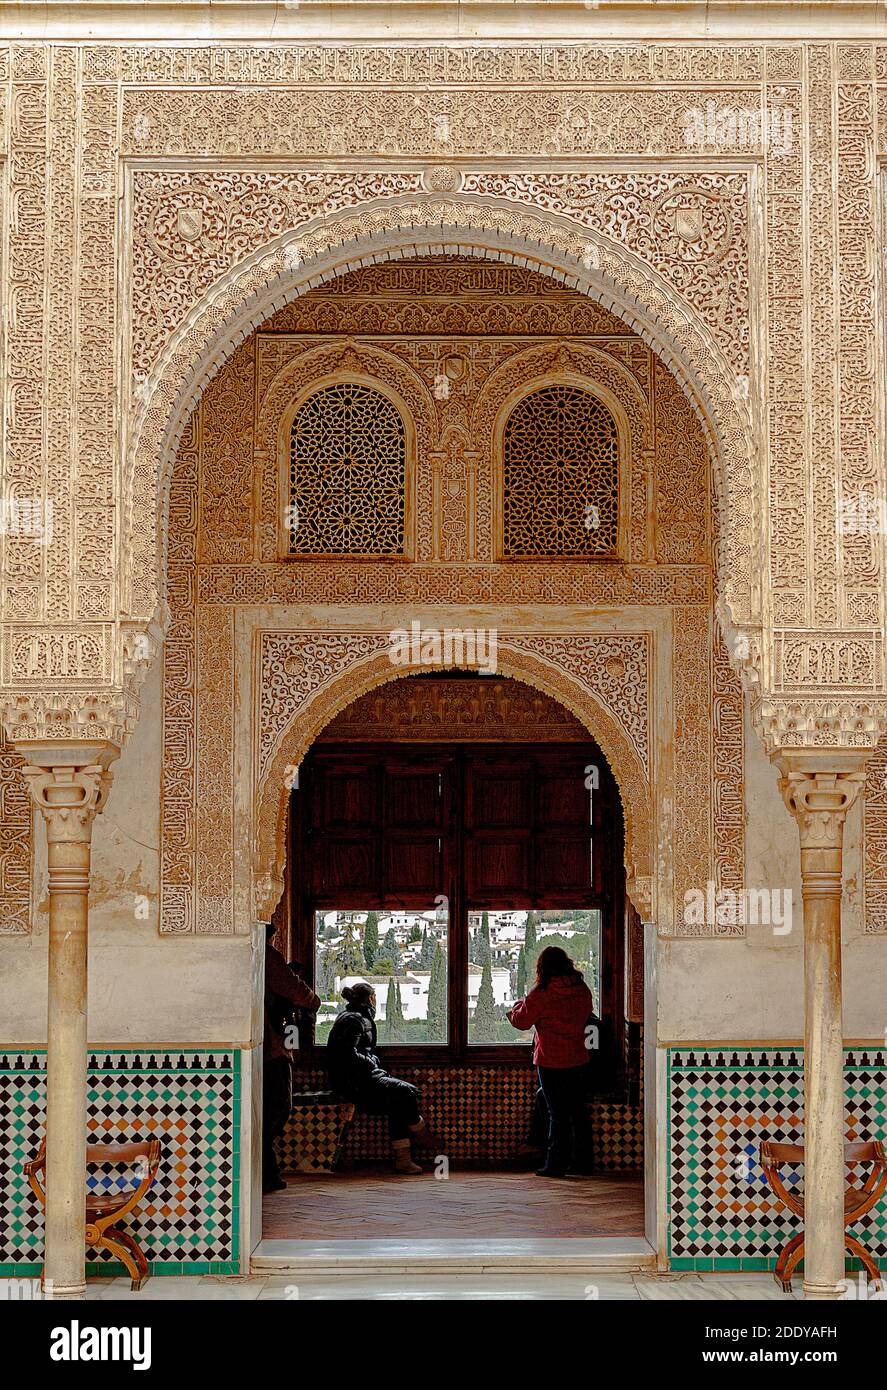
16 845
799 204
875 841
239 198
225 414
273 271
490 709
733 74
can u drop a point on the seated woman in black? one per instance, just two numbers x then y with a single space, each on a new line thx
356 1073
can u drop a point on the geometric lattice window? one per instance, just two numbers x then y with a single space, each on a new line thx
346 474
560 475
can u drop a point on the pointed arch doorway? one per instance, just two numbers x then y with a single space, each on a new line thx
444 828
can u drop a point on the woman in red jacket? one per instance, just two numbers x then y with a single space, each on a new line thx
559 1008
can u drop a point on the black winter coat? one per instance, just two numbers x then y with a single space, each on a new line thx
351 1053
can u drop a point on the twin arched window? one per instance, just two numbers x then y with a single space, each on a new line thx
559 477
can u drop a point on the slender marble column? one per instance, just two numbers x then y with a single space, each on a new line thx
70 785
819 791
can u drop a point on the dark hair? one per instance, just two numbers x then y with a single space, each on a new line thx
554 962
359 993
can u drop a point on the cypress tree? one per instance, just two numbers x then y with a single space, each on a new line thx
325 975
391 949
371 939
486 952
349 958
530 932
531 946
394 1022
521 973
484 1022
437 997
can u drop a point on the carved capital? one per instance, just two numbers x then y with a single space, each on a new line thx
640 892
819 799
69 785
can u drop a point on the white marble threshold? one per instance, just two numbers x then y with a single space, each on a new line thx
408 1256
473 1286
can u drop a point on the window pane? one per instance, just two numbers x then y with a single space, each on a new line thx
402 953
503 947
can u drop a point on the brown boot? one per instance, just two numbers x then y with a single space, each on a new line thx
403 1162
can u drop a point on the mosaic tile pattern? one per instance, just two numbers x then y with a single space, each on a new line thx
483 1114
314 1137
722 1103
190 1101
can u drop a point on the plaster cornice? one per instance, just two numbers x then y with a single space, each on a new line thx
449 21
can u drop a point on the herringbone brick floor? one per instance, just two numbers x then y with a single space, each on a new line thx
375 1204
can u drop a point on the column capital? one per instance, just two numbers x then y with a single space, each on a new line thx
819 789
69 783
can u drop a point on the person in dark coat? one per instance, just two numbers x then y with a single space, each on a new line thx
284 993
356 1073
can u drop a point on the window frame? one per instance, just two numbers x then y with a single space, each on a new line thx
284 442
616 554
610 899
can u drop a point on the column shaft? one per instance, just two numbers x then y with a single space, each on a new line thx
70 788
66 1050
823 1073
819 794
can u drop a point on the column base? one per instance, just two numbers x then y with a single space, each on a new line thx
825 1293
55 1292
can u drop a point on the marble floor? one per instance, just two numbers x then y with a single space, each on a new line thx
491 1285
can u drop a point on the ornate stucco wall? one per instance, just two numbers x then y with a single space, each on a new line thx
166 191
262 651
646 172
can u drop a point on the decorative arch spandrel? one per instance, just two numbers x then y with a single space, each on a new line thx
245 296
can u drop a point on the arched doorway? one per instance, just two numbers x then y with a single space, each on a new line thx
443 829
269 644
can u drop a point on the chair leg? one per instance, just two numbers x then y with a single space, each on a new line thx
859 1250
124 1247
780 1272
137 1254
792 1263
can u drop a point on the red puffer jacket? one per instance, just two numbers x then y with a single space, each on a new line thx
559 1015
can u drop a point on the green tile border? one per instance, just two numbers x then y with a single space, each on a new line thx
95 1269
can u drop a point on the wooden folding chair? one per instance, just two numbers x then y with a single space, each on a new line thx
857 1200
105 1210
